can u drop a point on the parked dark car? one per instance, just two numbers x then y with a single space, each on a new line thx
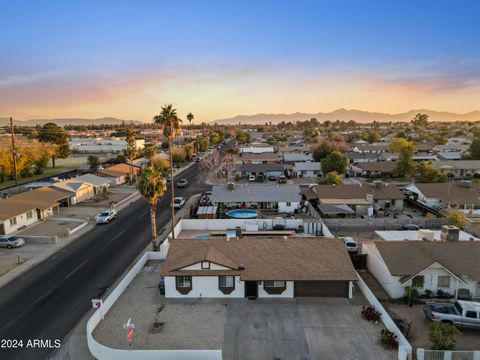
272 178
282 179
260 178
411 227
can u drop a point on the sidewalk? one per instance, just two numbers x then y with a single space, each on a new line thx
74 345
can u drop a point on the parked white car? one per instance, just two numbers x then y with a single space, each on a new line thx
11 241
350 244
106 216
252 178
178 202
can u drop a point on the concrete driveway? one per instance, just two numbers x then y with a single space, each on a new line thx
320 328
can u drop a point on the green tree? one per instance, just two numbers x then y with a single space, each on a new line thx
170 124
243 137
190 118
404 165
457 218
335 161
420 121
130 151
426 173
54 134
151 185
189 150
333 178
323 148
442 335
202 143
93 161
149 151
215 138
474 149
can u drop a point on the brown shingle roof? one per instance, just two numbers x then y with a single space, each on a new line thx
407 258
382 166
383 192
297 259
119 170
451 193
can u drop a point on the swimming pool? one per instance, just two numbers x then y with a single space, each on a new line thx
204 236
242 214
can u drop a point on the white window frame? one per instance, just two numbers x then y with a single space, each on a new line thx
182 280
205 265
13 221
443 277
275 283
226 278
29 214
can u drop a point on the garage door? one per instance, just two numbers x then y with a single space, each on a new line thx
321 288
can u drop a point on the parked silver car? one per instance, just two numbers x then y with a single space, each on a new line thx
350 244
106 216
11 241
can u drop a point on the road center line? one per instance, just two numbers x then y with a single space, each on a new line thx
120 233
76 269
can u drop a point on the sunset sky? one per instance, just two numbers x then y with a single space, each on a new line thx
218 59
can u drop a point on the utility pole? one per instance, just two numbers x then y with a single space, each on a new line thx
172 185
14 152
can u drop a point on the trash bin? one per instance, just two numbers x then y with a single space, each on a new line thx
161 285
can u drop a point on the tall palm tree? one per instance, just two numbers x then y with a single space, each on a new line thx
151 185
190 118
170 123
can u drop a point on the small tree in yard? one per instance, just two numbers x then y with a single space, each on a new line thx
457 218
333 178
442 336
335 161
93 161
151 185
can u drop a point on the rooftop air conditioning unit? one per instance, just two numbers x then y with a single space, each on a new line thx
426 235
231 186
449 233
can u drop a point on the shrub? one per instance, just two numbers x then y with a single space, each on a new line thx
442 336
444 294
388 339
410 294
370 313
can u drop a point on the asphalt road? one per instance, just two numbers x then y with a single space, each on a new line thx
46 302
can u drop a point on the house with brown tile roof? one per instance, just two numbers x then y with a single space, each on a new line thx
254 158
28 207
450 266
119 173
360 197
269 266
461 196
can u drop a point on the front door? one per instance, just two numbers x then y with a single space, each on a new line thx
251 289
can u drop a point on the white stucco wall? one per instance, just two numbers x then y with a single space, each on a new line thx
288 293
203 286
21 221
284 208
198 266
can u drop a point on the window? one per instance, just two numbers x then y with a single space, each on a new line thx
276 283
418 281
443 281
29 214
13 221
184 281
205 265
289 203
225 281
471 314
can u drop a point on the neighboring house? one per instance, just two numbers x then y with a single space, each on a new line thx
253 158
464 196
362 199
425 265
257 149
245 170
78 190
281 198
119 174
291 158
376 169
449 155
268 267
364 147
100 184
307 169
294 149
420 156
28 207
360 157
459 169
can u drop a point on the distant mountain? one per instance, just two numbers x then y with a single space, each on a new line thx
346 115
62 122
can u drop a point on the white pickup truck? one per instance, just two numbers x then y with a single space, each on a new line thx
460 313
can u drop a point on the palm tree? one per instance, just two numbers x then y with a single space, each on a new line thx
190 118
170 123
151 185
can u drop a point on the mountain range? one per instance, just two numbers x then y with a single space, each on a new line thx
258 119
346 115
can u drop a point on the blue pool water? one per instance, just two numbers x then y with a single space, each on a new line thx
200 236
242 214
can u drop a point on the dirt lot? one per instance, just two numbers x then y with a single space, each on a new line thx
469 340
